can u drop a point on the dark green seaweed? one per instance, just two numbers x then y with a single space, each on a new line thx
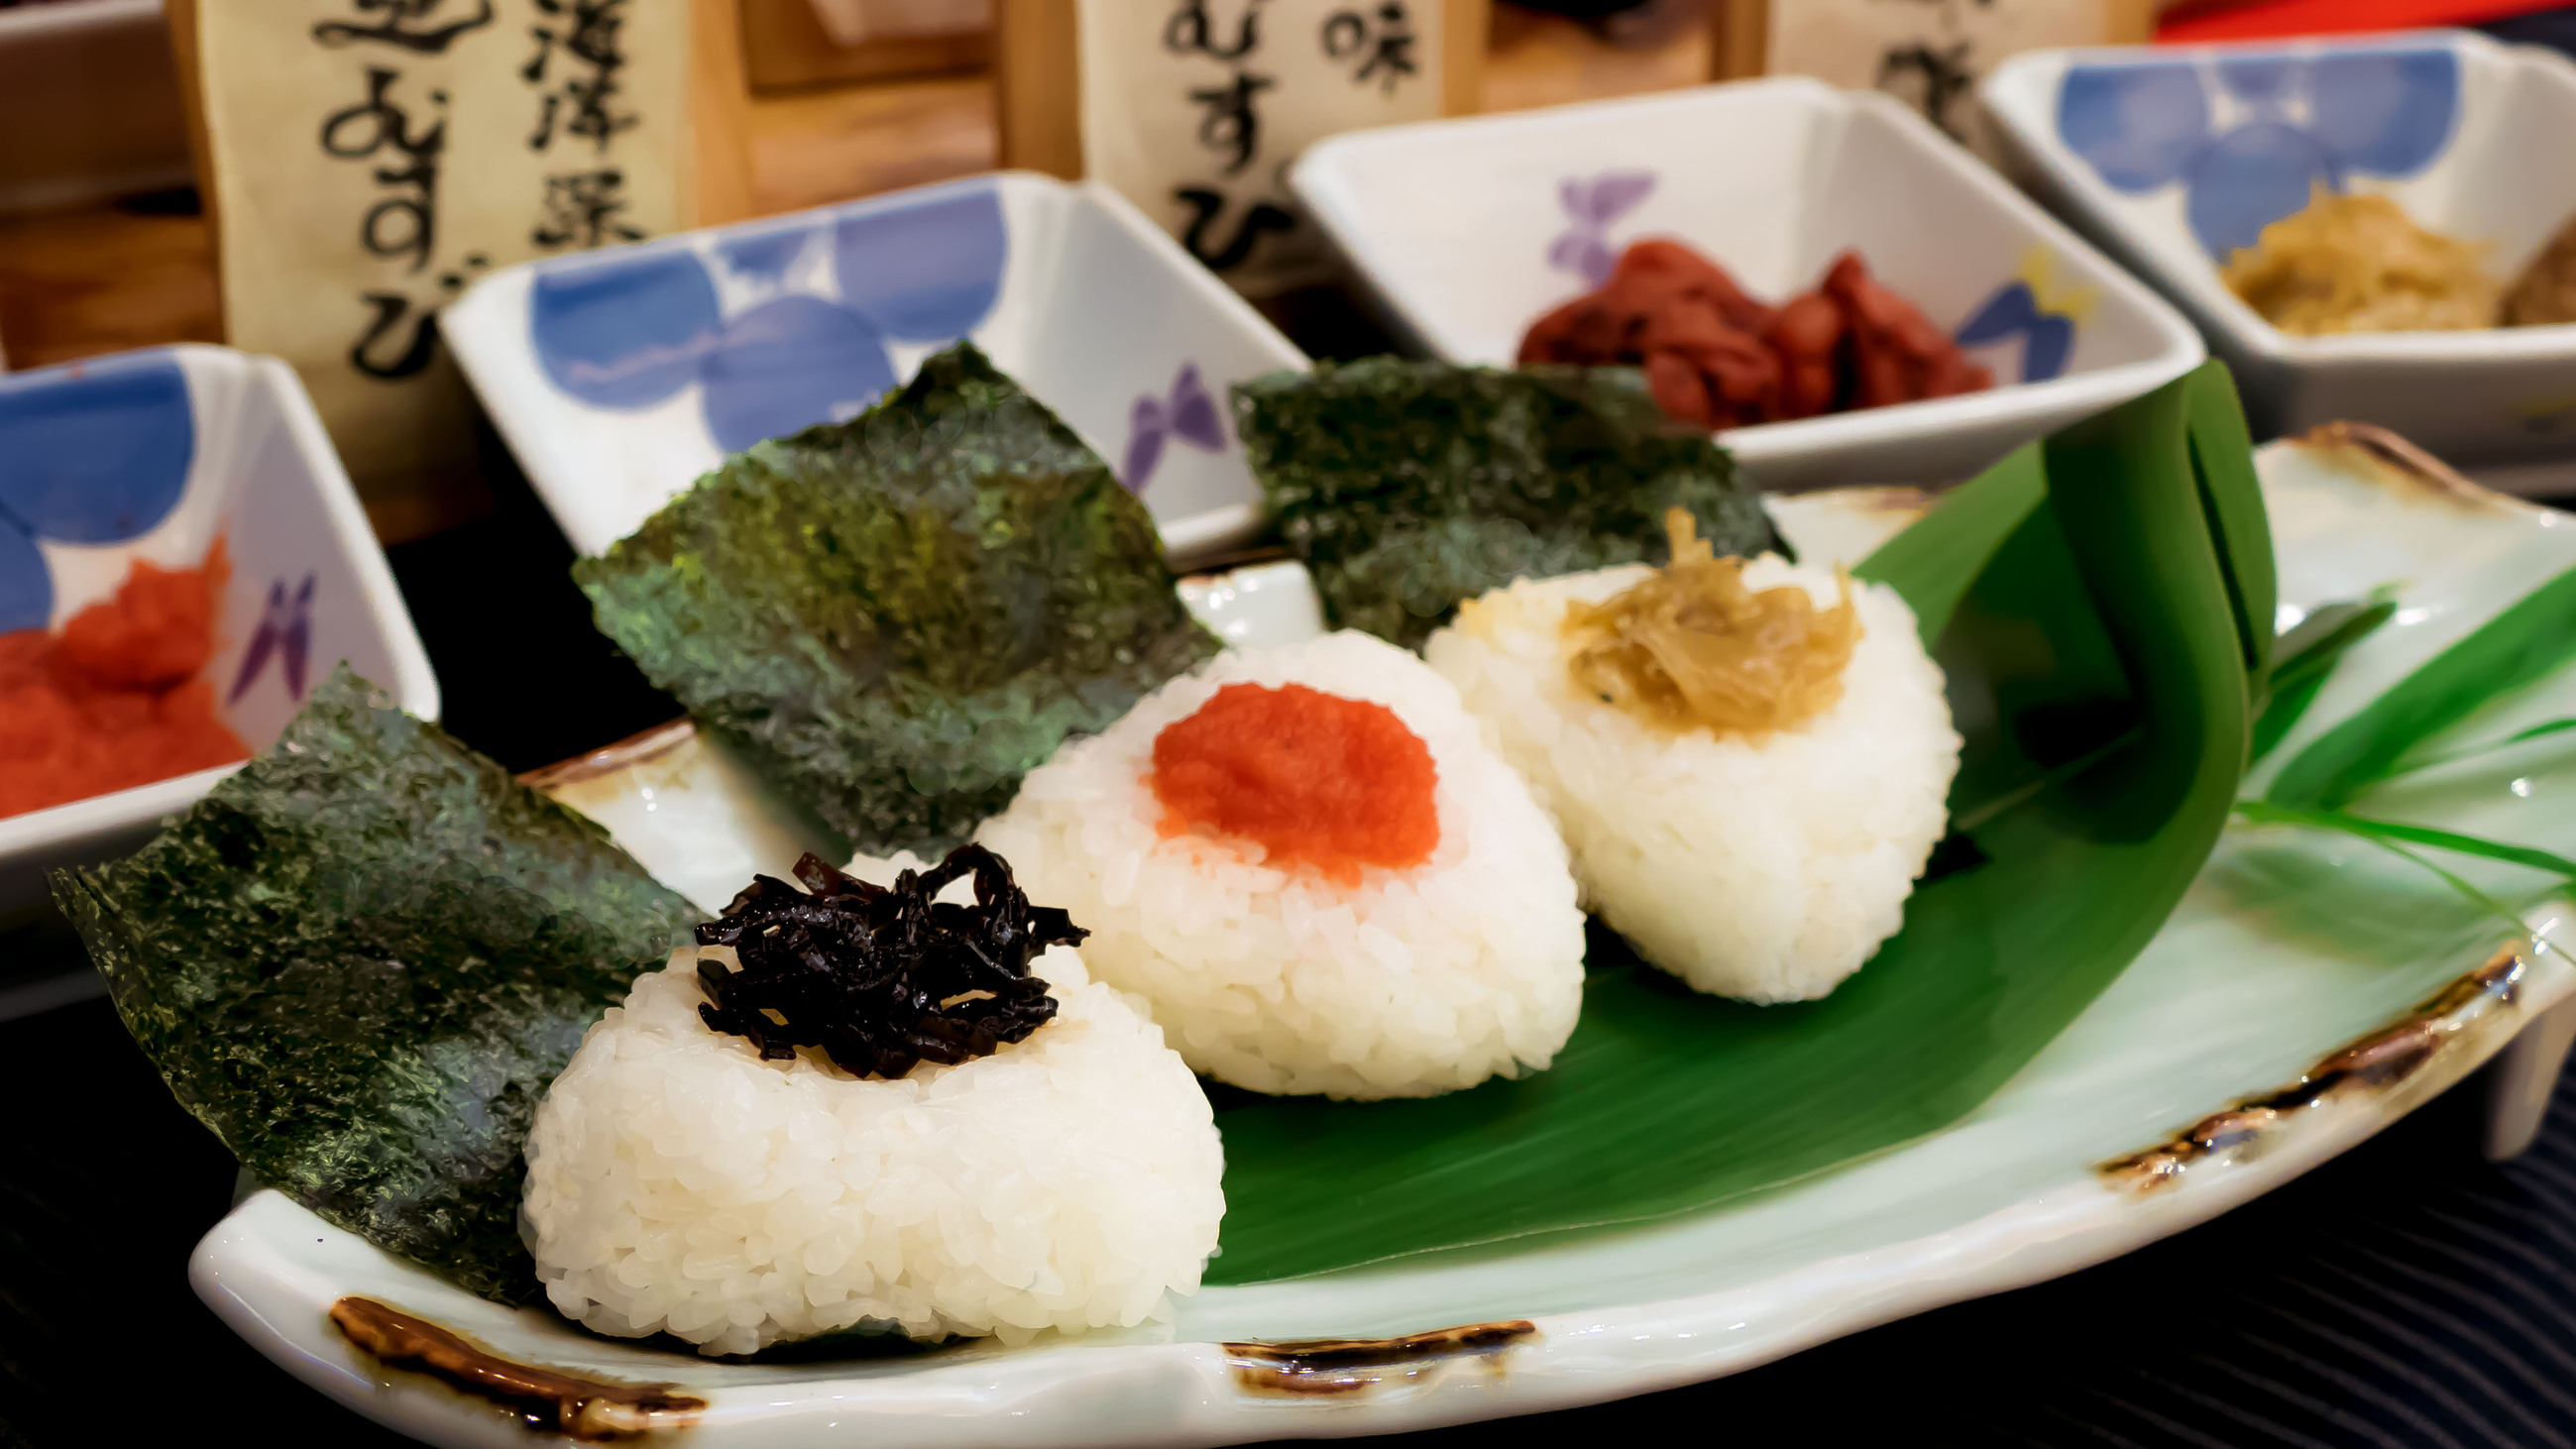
883 978
895 618
1409 486
362 959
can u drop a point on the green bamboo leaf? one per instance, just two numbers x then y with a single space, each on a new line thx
2083 588
2305 657
2469 752
2352 825
2529 640
2539 731
2222 461
1934 562
2450 840
2288 704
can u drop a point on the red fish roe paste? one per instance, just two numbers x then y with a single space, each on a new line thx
1334 784
114 699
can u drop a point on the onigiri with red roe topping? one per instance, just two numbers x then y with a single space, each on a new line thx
1316 873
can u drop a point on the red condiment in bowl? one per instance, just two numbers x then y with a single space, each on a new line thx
113 700
1718 358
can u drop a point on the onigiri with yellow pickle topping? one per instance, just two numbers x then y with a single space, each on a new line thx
1750 760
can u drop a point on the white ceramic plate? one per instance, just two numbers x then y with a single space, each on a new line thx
154 455
2172 158
619 376
1469 230
2289 948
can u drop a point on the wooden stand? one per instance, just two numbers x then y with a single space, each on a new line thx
718 181
1038 90
1739 39
1740 31
786 49
1037 87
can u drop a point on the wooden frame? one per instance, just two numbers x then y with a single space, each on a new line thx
786 48
182 18
1037 87
1739 39
1740 33
1037 102
715 186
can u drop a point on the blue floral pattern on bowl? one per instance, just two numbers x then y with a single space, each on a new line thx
781 328
96 456
2047 338
2247 137
2035 309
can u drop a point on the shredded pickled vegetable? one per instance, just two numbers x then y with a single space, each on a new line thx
2546 292
1693 648
2356 263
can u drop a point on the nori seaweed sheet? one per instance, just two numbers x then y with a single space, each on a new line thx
1409 486
362 959
895 618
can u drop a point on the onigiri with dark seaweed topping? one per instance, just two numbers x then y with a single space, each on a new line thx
873 1106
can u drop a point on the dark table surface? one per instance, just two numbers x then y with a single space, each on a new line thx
2406 1294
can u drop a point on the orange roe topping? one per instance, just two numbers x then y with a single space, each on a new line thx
1316 780
114 701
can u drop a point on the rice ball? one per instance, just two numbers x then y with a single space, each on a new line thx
678 1183
1763 868
1278 977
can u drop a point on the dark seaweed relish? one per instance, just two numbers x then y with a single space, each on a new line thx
883 978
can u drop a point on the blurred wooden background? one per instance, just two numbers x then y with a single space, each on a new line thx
104 276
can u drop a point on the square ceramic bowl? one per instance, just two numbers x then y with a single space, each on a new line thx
620 376
155 455
2173 158
1469 230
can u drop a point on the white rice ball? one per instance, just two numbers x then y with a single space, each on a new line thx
1406 984
1765 869
678 1183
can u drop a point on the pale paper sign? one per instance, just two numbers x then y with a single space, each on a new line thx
1931 53
372 158
1194 109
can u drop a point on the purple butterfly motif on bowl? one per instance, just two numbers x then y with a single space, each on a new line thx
1591 204
285 633
1188 414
